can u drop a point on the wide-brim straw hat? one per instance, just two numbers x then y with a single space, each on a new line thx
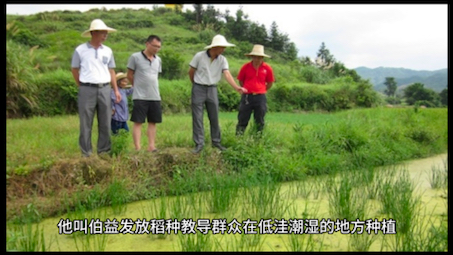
219 41
97 24
258 50
120 76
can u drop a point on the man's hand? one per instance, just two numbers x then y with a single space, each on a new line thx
241 90
118 96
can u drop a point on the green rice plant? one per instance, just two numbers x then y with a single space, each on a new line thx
178 207
158 210
319 184
264 201
118 196
198 242
345 200
223 194
304 188
308 187
29 214
399 201
299 241
25 237
439 176
248 242
373 187
424 236
361 242
92 241
382 187
437 239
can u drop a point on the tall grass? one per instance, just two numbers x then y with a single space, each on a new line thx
347 200
438 177
26 237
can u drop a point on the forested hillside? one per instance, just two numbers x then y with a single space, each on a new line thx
435 80
40 47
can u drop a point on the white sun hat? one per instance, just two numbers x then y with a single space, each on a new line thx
97 24
258 50
219 41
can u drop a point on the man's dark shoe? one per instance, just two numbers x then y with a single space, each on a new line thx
219 146
197 149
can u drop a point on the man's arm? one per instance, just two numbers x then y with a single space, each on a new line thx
130 76
192 74
75 74
230 80
114 86
269 85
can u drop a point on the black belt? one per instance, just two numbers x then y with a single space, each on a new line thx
253 94
205 85
97 85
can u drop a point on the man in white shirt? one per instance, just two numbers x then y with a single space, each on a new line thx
93 70
205 72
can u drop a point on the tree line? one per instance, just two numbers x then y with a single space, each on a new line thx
415 94
240 28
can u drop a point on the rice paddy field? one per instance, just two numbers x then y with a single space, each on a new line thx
358 180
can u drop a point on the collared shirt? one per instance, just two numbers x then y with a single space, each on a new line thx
146 84
254 80
208 73
121 108
93 64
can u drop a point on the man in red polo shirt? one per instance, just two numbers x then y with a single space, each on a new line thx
257 77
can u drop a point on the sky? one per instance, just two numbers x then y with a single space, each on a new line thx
412 36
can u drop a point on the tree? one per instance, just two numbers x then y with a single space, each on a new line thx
277 40
306 61
290 51
444 96
324 60
211 18
199 12
390 83
257 34
239 27
416 92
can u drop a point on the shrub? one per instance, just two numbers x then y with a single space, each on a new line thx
175 95
19 33
228 97
171 64
312 74
393 100
365 95
20 85
57 94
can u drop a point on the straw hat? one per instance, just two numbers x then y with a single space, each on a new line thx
219 41
258 50
120 76
97 24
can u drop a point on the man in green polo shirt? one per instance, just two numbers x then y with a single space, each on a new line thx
206 69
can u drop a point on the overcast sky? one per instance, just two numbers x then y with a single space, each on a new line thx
413 36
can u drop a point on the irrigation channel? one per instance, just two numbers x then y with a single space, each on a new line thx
316 214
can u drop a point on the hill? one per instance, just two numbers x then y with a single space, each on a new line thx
435 80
